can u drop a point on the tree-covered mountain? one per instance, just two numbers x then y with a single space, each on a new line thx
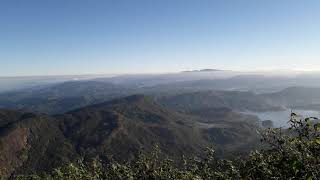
235 100
31 142
117 129
289 154
62 97
295 97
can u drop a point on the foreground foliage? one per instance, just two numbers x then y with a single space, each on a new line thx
288 154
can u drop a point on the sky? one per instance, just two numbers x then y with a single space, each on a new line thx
59 37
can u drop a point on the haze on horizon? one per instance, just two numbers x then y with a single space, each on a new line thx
112 37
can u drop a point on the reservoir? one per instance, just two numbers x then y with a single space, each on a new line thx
281 118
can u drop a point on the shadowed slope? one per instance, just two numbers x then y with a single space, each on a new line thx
117 129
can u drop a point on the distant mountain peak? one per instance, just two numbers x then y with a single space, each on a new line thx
203 70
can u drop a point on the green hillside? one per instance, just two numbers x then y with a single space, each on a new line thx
119 129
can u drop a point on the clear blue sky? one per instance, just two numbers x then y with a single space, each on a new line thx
42 37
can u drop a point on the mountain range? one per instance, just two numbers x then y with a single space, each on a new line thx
295 97
116 118
63 97
117 129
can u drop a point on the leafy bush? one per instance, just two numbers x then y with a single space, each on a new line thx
292 154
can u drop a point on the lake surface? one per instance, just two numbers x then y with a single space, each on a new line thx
281 118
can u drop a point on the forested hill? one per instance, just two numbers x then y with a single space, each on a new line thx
117 129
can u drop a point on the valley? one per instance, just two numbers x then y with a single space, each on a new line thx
115 119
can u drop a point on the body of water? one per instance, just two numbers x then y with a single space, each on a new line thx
281 118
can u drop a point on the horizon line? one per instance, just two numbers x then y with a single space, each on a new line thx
172 72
